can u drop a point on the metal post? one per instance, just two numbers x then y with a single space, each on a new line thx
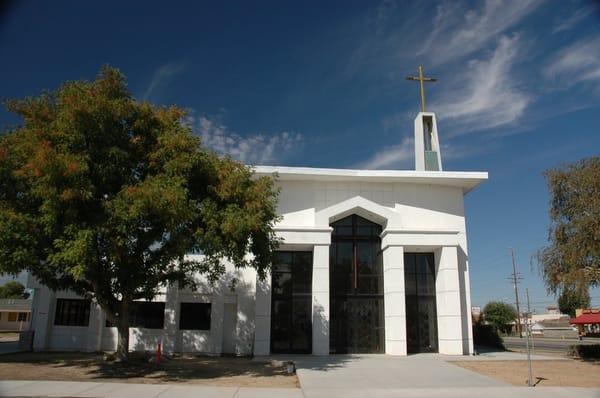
529 379
530 321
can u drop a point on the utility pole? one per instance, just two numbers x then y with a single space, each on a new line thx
529 346
515 280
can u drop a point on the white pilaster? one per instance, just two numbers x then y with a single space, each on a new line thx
171 323
262 331
44 301
320 302
95 328
448 292
394 300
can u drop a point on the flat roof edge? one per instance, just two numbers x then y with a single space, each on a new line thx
465 179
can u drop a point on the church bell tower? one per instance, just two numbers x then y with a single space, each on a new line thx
427 144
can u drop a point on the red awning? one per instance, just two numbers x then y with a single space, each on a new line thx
586 319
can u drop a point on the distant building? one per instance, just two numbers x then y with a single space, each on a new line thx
15 314
552 314
587 321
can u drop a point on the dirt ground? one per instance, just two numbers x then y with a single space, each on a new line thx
216 371
569 373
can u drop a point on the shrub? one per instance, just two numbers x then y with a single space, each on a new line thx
585 351
487 336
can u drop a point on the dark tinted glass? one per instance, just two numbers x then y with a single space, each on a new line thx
291 303
421 319
72 312
356 287
194 316
147 314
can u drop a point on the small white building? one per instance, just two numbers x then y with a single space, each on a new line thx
371 262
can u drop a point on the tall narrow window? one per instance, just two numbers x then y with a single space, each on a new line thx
291 303
421 315
356 287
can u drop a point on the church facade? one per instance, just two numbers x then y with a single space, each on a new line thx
370 262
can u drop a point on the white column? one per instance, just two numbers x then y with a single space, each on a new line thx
95 327
320 301
171 322
42 309
394 300
463 268
448 302
262 331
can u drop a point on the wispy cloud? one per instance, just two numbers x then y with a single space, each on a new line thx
576 63
161 76
491 97
250 149
402 155
399 156
457 33
573 20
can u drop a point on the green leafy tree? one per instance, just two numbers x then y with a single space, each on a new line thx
499 314
571 261
571 299
104 195
13 290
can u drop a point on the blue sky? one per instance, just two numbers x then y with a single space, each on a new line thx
323 84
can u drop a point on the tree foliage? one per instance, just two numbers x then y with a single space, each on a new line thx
499 314
104 195
13 290
571 299
571 261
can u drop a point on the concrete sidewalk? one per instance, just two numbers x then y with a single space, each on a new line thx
127 390
23 388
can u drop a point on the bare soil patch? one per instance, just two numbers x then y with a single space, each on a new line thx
570 373
187 369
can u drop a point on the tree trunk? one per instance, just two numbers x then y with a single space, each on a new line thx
123 329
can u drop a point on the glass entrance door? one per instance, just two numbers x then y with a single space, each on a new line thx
421 316
356 287
291 303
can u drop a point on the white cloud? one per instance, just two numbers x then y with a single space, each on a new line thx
250 149
457 33
402 155
579 62
161 76
573 20
395 156
491 97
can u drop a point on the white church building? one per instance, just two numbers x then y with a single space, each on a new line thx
371 262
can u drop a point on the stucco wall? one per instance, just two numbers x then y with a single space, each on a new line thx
414 205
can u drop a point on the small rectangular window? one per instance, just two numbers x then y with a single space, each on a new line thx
22 317
12 316
147 314
144 314
194 316
72 312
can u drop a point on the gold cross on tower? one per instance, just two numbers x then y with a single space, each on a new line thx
422 79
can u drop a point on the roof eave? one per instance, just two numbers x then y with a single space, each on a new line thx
467 180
